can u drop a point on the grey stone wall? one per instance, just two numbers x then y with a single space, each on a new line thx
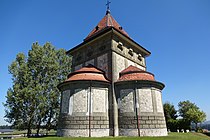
83 112
120 63
73 132
76 126
92 62
154 132
77 67
144 132
145 100
78 101
112 54
141 116
65 101
126 102
76 122
80 98
158 96
146 122
97 52
89 52
128 125
83 132
129 52
102 63
100 100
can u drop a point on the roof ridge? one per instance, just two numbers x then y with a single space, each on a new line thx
109 19
106 21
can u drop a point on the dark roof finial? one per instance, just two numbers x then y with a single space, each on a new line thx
108 7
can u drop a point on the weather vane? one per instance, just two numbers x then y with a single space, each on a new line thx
108 5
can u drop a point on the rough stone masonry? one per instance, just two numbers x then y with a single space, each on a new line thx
110 92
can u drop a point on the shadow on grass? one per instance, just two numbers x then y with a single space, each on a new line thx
207 133
41 136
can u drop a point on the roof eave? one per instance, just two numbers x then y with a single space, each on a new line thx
59 86
147 53
86 40
107 29
142 83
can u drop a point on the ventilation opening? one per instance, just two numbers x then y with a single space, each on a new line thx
140 57
130 51
96 27
120 45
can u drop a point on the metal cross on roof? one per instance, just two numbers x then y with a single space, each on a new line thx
108 5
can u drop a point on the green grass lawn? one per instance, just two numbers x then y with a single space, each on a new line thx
171 136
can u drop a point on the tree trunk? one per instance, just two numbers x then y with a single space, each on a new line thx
29 129
28 132
196 127
38 127
49 121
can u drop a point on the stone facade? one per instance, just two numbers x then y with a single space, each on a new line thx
145 100
84 109
128 107
96 126
140 110
102 53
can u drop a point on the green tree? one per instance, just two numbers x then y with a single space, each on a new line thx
20 104
34 98
190 113
170 116
196 116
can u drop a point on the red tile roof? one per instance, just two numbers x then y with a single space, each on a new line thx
107 21
89 68
88 73
131 69
133 73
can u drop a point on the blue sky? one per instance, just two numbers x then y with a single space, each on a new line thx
177 32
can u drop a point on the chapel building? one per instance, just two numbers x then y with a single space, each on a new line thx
109 92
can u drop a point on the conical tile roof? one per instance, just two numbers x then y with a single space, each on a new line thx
133 73
107 22
88 73
141 77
